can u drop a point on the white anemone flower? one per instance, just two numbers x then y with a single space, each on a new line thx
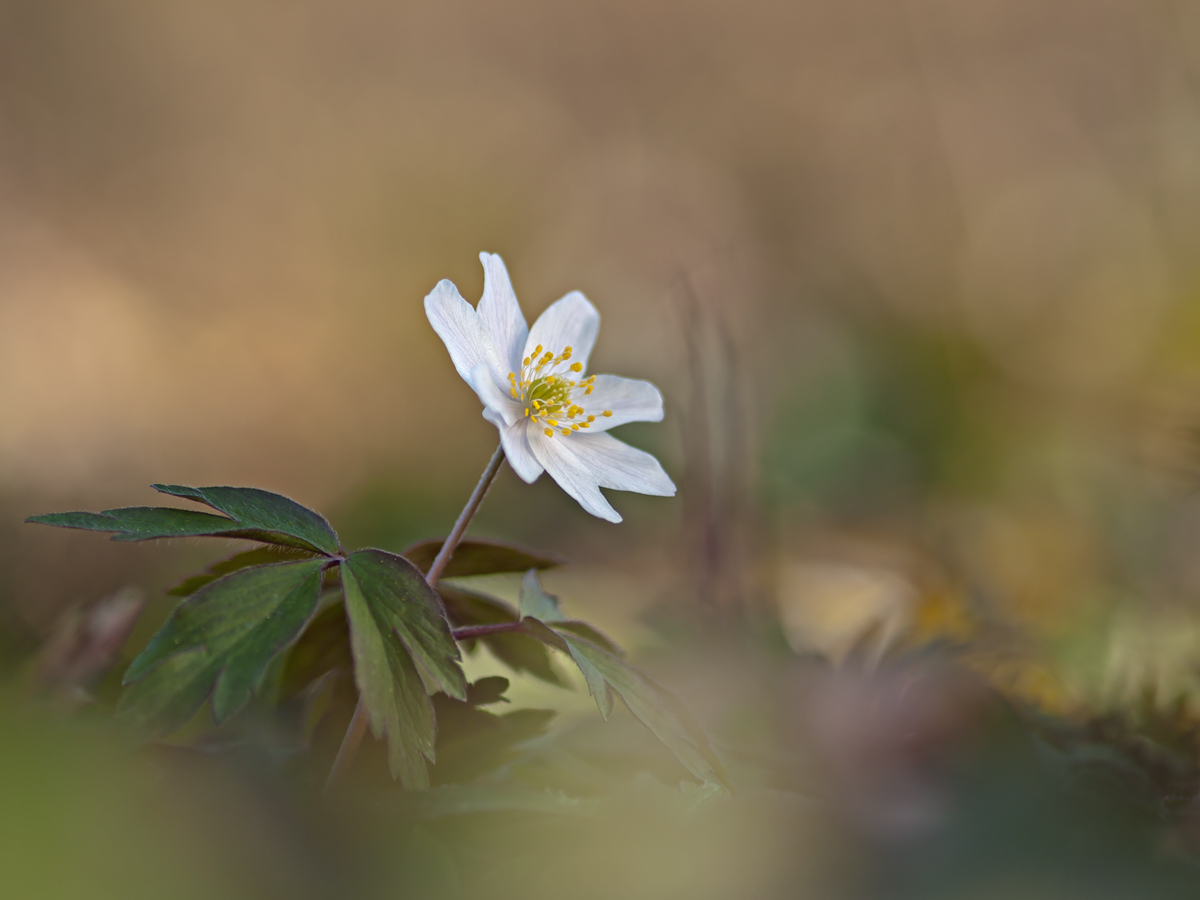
552 416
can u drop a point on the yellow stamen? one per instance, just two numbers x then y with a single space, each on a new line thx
552 421
576 367
589 389
549 432
607 413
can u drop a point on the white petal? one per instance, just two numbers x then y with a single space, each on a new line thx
459 327
629 399
495 418
515 439
493 397
501 314
618 466
570 322
565 467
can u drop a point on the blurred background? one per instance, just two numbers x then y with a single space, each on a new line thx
919 280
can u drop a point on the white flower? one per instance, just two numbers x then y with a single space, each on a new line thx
533 388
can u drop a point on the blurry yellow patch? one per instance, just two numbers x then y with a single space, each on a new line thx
831 608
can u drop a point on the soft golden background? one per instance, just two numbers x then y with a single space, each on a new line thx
920 281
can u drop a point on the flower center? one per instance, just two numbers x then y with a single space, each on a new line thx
549 393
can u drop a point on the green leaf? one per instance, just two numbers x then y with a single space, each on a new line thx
403 602
259 556
396 625
536 602
144 523
590 633
264 511
654 706
519 652
390 688
478 556
251 515
220 640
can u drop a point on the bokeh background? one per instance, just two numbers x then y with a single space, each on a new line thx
920 282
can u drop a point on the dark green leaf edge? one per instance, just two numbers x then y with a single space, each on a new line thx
250 514
264 510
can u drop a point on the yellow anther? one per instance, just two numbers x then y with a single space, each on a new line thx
583 424
589 389
549 432
537 404
591 418
536 350
550 379
525 361
527 412
576 367
567 349
552 421
607 413
574 427
514 393
565 432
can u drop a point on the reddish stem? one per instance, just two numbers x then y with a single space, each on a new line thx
474 631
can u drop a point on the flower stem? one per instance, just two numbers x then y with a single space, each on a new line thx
464 518
474 631
358 725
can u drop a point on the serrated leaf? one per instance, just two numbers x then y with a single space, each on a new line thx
596 682
403 603
220 640
519 652
259 556
590 633
654 706
264 511
250 514
536 603
479 556
657 708
388 683
145 523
